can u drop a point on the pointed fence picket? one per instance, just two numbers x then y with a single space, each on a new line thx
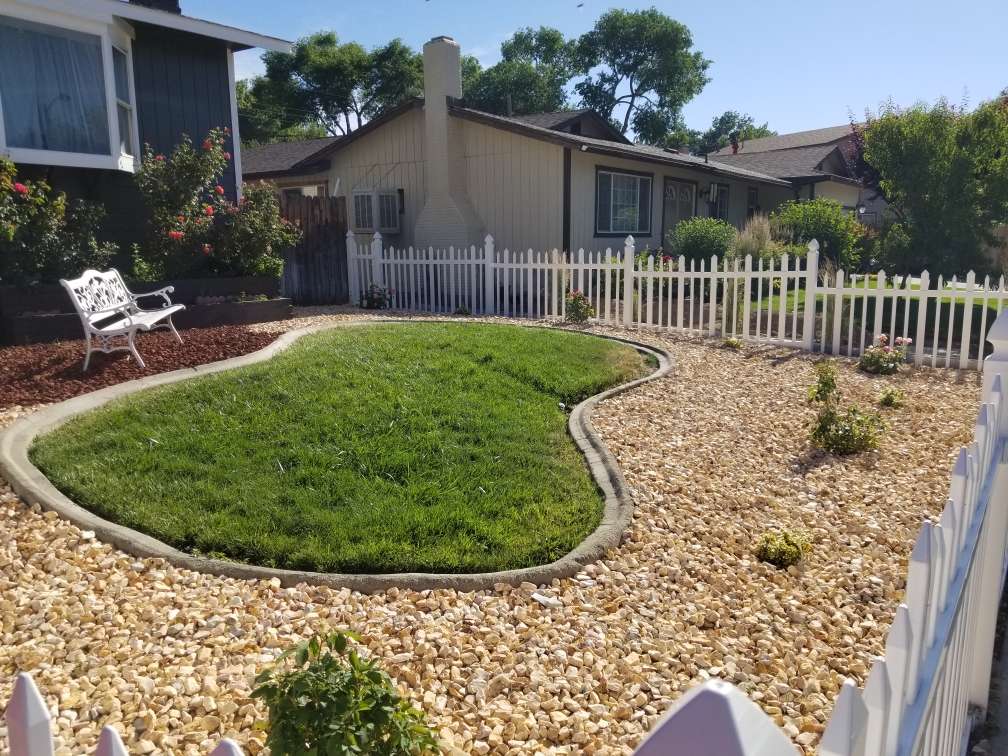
790 301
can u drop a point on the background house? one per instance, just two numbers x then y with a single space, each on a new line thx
433 172
815 164
276 162
84 84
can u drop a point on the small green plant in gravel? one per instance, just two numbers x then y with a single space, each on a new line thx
782 549
732 343
840 431
324 698
891 396
578 308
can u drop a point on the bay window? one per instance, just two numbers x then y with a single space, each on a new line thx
622 203
66 95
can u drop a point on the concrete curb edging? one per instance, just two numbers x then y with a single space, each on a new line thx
35 488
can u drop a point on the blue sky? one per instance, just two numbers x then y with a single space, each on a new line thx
795 65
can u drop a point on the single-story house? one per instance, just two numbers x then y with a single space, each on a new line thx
84 84
815 163
433 172
273 162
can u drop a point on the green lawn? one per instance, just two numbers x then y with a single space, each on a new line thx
401 447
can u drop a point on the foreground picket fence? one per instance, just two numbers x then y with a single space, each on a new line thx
920 699
788 301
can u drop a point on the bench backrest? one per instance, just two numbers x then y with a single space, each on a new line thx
97 290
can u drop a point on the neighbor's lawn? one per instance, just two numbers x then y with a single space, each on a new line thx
405 447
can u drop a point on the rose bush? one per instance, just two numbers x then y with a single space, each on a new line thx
44 236
194 229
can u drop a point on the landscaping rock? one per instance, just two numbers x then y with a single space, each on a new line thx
715 454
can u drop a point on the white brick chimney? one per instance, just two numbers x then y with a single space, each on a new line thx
447 217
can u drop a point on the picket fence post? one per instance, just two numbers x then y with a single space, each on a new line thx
110 744
811 292
628 280
353 268
993 545
489 307
377 269
716 718
29 732
746 304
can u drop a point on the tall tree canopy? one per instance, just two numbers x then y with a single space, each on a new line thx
535 67
641 70
943 172
338 86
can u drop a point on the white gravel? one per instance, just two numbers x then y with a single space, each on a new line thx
715 454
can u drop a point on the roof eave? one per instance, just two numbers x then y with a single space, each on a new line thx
237 39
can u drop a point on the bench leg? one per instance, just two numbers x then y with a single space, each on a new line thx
172 326
87 357
133 350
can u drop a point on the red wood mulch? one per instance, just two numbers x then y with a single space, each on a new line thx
41 373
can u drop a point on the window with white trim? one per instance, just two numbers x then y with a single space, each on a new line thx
622 203
124 101
66 94
382 206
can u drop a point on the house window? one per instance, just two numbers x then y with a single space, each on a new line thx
719 201
52 89
363 212
124 102
623 203
385 205
752 202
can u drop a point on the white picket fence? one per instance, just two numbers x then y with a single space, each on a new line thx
788 301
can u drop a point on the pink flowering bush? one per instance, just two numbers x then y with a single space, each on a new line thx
578 308
882 358
193 228
43 235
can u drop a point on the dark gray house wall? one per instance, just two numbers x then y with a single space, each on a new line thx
182 87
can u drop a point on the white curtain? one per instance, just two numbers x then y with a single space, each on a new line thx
52 88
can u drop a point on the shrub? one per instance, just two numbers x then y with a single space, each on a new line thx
194 229
376 297
824 220
324 698
699 238
578 308
43 236
782 549
732 343
755 238
891 397
883 359
840 431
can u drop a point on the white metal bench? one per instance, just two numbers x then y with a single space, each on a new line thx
109 311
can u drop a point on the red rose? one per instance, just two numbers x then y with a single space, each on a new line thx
159 158
20 188
219 189
176 235
208 211
207 145
207 249
227 155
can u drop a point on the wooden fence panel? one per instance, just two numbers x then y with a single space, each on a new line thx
315 271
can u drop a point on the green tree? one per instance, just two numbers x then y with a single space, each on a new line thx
641 71
731 126
262 116
943 172
337 86
535 67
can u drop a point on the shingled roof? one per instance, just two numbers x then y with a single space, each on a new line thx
275 158
828 135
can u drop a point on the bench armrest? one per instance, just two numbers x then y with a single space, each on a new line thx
162 292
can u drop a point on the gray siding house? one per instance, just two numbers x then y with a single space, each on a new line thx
84 84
